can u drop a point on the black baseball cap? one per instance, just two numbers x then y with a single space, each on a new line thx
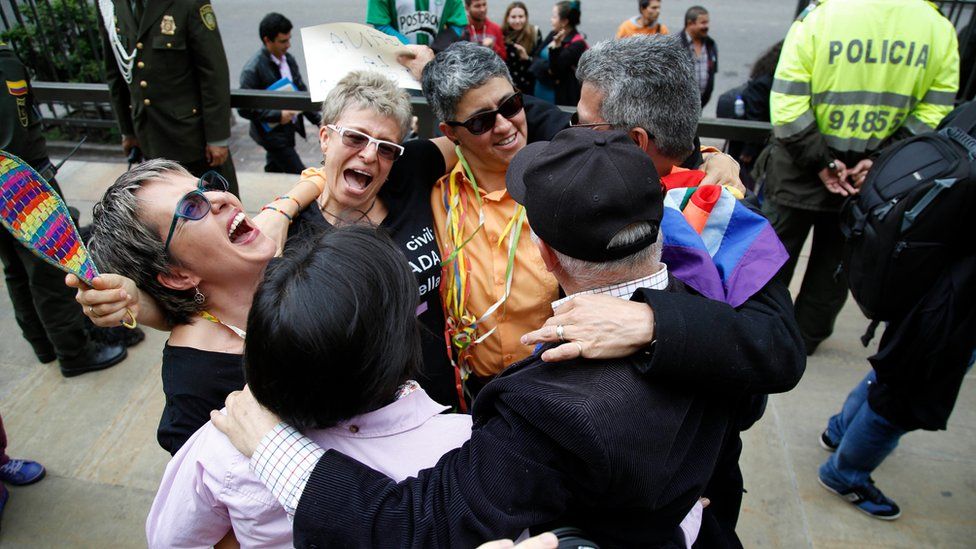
583 187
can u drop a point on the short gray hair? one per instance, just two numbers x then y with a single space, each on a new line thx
589 274
647 82
461 67
369 90
124 244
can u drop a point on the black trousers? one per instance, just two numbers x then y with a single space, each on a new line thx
283 160
821 295
200 167
45 309
724 490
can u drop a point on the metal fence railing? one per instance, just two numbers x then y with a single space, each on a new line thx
715 128
59 40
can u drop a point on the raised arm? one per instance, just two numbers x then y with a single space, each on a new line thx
273 220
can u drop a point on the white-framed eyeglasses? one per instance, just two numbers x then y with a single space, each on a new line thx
358 140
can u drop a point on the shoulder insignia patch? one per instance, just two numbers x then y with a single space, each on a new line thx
208 17
17 87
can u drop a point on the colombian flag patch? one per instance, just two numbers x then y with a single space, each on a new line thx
17 87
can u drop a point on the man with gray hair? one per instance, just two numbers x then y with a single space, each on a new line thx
551 446
646 86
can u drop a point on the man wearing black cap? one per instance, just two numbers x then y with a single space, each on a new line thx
551 445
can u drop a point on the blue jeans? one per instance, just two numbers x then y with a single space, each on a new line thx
865 438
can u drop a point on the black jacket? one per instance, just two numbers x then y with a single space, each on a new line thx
562 65
20 121
924 356
559 442
706 94
259 73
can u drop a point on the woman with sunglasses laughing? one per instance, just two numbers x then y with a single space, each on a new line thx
188 245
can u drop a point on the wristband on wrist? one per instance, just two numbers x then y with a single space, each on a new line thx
293 199
270 207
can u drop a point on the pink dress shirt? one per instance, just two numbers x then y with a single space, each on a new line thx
208 487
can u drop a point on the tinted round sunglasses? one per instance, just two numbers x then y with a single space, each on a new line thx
358 140
194 205
485 121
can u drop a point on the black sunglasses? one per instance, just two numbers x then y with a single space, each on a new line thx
194 204
485 121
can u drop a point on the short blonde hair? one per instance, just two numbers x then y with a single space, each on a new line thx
368 90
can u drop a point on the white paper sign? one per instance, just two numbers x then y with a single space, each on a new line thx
333 50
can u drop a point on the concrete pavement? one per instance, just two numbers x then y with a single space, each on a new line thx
96 435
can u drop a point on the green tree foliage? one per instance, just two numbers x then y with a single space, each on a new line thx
58 40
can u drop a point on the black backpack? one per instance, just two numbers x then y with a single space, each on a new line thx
914 214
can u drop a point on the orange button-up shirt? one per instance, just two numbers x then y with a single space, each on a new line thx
533 287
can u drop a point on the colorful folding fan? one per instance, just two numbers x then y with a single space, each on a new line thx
34 213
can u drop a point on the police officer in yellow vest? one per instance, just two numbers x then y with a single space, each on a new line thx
169 80
853 74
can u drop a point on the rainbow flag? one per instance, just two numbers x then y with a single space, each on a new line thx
34 213
715 244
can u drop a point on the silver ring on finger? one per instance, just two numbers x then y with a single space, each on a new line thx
91 312
580 347
559 333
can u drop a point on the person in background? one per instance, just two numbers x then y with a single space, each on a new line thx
169 82
45 310
702 49
333 346
823 140
275 129
15 472
755 104
482 30
521 39
561 49
645 22
414 22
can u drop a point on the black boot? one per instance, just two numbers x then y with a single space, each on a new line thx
97 356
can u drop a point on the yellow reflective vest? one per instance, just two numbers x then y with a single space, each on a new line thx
862 69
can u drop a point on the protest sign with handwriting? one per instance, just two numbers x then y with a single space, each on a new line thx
333 50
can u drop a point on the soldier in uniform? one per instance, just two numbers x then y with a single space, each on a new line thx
169 80
45 309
